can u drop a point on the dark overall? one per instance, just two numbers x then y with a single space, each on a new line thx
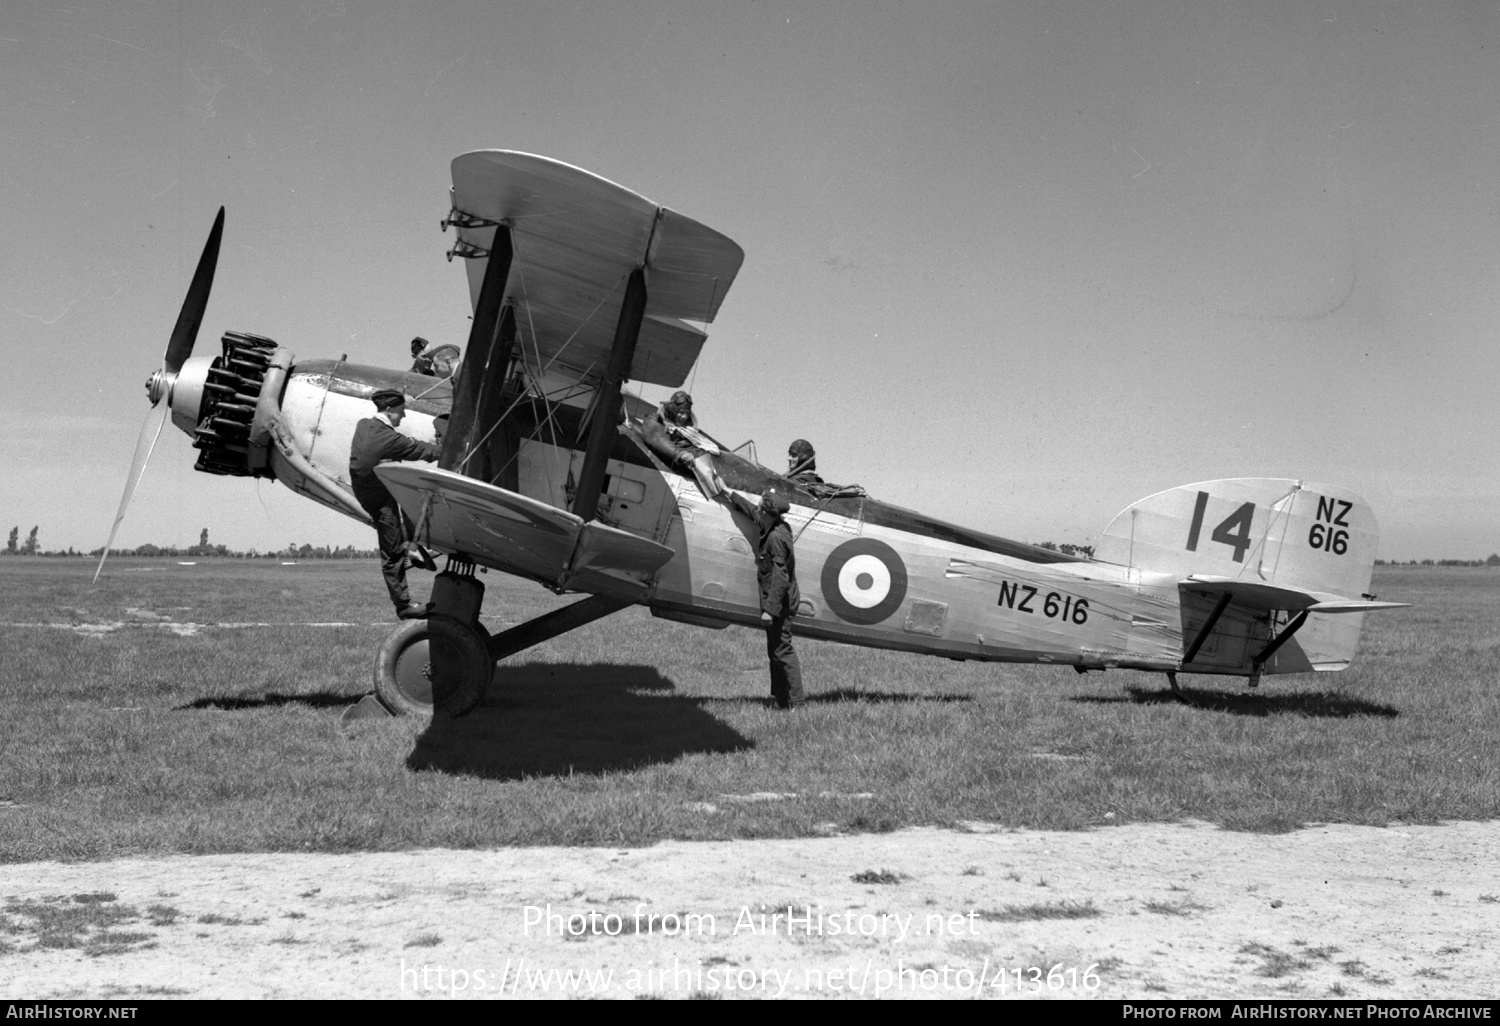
776 572
377 442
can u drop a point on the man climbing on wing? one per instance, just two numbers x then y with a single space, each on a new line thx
376 441
672 433
776 571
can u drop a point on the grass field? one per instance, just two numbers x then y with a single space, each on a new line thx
140 735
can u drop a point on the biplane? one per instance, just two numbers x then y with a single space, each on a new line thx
580 286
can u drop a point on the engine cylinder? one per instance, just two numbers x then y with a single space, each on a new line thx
226 410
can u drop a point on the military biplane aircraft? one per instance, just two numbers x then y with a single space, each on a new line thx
579 285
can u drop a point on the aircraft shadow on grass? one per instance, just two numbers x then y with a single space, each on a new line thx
551 719
316 700
1306 703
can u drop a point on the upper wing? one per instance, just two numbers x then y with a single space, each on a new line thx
576 238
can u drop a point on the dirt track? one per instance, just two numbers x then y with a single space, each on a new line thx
1185 911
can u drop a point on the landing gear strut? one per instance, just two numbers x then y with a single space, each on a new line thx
446 661
441 662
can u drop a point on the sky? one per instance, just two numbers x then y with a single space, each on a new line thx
1016 265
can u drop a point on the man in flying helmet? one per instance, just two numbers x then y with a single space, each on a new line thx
802 463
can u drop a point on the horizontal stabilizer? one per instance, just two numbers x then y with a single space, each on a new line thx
1343 605
1265 597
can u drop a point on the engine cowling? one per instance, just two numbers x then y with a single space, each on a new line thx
227 401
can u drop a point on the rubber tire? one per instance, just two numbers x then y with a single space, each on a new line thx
404 667
484 637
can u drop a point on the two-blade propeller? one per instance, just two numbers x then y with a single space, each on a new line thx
159 385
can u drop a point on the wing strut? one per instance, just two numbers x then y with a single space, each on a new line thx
607 409
485 358
493 439
1207 628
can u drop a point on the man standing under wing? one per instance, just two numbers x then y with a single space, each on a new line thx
377 441
776 570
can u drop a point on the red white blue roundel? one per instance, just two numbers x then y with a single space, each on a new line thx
864 581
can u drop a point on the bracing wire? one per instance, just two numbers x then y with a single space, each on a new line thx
536 378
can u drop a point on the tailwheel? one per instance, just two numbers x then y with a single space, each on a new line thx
437 663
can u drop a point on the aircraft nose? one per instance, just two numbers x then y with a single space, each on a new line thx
156 387
187 392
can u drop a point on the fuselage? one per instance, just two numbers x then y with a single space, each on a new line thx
871 574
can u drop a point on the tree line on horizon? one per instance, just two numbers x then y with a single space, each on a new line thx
1493 559
15 547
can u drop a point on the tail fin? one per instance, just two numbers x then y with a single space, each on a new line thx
1273 550
1280 532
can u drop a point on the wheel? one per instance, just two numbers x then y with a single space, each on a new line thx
434 662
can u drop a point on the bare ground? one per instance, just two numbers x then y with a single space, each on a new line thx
1149 911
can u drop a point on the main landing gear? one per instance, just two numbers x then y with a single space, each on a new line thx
446 661
443 661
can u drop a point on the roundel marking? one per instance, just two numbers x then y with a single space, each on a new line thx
864 581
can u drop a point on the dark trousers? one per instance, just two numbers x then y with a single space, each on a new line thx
786 671
392 529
